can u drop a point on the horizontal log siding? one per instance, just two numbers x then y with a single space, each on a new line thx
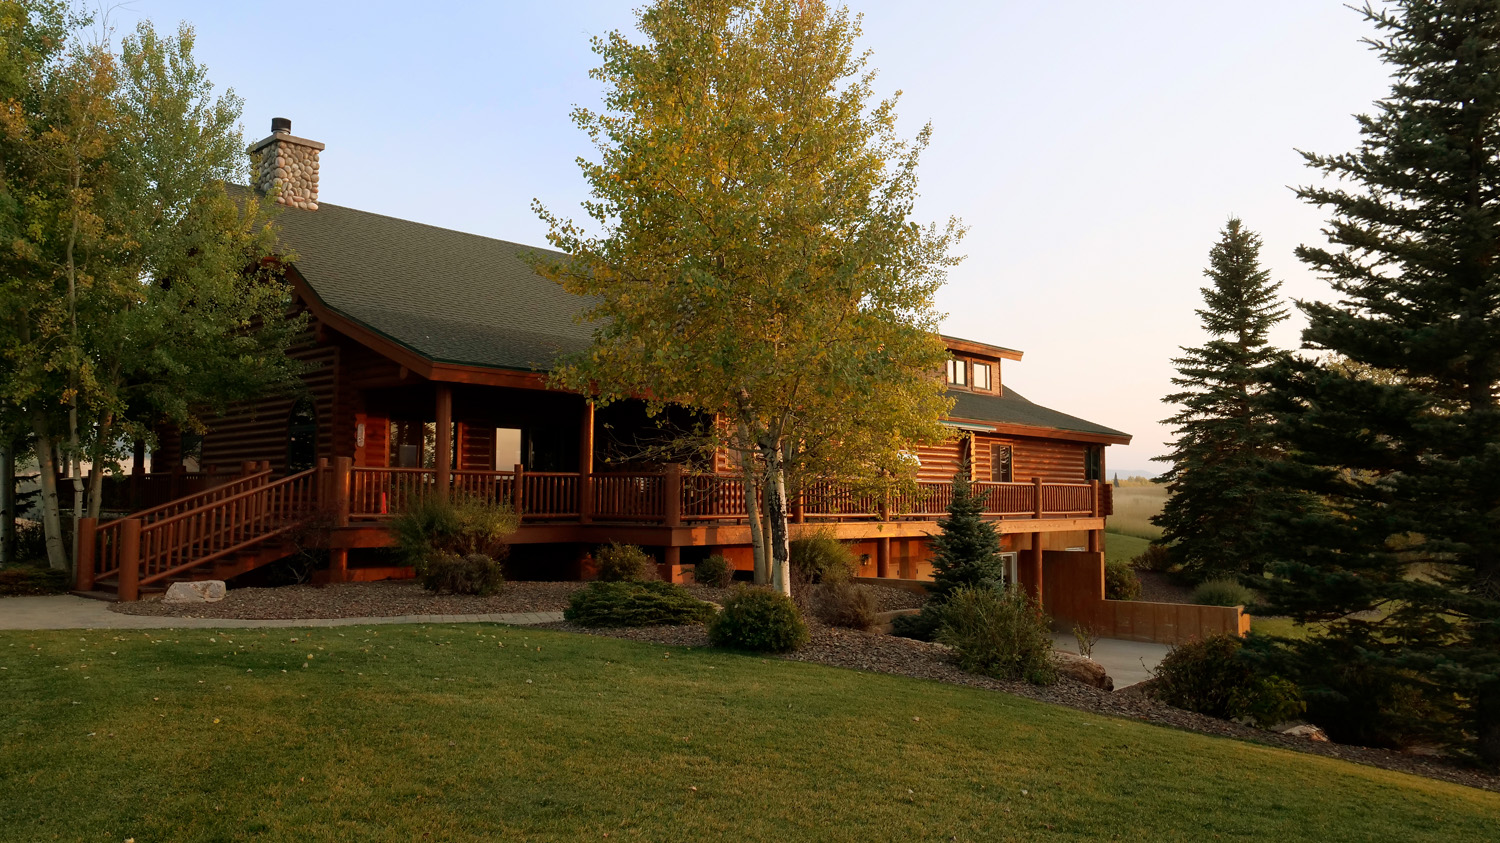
257 430
939 462
1052 460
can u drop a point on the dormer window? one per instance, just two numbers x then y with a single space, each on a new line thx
958 372
982 376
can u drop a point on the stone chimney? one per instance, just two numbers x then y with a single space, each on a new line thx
290 163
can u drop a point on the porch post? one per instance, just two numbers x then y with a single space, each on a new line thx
586 463
672 488
444 444
1094 498
1036 489
518 490
130 560
883 557
1036 565
83 578
1094 542
343 474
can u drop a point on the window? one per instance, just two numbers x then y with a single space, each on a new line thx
982 376
1001 470
1093 467
958 372
302 436
1008 564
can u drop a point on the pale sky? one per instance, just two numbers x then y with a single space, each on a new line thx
1094 149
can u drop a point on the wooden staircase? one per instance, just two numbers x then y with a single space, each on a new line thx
212 535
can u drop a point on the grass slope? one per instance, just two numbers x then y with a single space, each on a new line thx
483 732
1119 547
1135 506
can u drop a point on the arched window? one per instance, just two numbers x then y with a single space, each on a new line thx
302 436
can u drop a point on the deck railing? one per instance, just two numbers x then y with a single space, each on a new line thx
647 497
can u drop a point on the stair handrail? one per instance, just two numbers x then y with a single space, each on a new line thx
278 526
250 481
235 512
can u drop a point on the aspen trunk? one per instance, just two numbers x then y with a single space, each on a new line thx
752 514
57 556
776 511
7 500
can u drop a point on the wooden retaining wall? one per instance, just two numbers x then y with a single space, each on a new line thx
1073 593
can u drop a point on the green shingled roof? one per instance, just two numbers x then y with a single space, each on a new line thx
1010 408
450 297
461 298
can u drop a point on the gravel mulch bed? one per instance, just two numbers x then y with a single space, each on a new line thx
1157 587
921 660
360 600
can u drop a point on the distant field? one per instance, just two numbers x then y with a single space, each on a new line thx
1134 506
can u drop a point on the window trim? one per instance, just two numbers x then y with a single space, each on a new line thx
989 381
958 371
1010 462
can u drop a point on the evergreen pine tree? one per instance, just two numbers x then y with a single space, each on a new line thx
1404 564
967 551
1221 499
967 554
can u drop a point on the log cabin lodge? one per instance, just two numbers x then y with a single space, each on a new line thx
429 350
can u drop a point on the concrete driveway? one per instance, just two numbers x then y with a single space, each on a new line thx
1126 662
64 611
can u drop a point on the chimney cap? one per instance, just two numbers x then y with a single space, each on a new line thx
281 125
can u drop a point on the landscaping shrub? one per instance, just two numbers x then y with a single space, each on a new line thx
820 557
31 540
1121 582
17 580
1155 557
636 603
922 626
845 604
1222 592
473 574
1000 633
715 571
624 563
1352 697
461 525
1210 677
758 619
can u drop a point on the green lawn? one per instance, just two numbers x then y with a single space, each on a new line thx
1119 547
463 733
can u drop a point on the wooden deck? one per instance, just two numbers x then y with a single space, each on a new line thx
238 525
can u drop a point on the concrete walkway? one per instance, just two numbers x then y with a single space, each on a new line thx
64 611
1126 662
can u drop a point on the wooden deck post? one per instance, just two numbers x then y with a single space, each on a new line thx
586 464
338 564
1094 498
671 569
1036 488
799 510
444 446
1094 541
672 489
1035 564
518 490
883 557
343 474
83 574
130 560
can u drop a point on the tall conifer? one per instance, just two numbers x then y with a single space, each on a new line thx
1220 498
1404 566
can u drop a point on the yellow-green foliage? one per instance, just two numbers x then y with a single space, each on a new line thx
1134 508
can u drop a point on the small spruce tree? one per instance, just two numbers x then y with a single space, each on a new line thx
967 551
1221 498
967 555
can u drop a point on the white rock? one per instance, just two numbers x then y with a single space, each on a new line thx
207 591
1306 730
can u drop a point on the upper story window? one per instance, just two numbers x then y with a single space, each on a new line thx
958 372
982 376
1002 466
